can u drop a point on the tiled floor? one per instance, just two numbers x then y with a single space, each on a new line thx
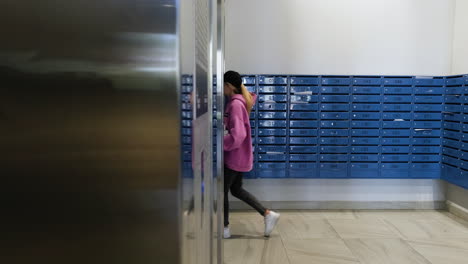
358 237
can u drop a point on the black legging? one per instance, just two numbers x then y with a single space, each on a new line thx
233 182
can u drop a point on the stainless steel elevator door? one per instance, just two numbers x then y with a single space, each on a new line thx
89 131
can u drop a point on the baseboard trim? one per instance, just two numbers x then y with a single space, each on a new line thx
457 210
344 205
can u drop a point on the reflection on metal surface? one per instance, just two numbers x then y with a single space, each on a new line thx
89 126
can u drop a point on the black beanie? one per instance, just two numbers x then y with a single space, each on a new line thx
233 78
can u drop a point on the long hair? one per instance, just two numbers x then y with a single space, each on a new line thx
235 79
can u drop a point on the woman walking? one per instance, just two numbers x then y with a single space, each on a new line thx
238 157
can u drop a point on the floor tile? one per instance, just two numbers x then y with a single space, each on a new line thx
384 251
243 251
304 228
340 214
427 229
319 251
274 252
362 228
448 251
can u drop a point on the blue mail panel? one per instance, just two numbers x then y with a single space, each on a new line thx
367 81
333 141
271 170
334 132
465 127
335 89
271 157
451 152
428 108
466 79
304 107
273 149
451 143
334 115
271 140
364 166
187 114
425 166
427 116
464 137
424 149
334 149
272 115
334 157
272 106
186 79
364 157
272 89
424 158
303 132
428 99
303 157
453 117
395 166
366 98
365 132
397 99
187 140
452 134
365 141
251 89
298 124
336 124
464 155
303 141
465 90
366 90
186 123
395 149
252 123
187 88
398 90
333 170
302 166
186 106
335 98
454 90
465 109
365 124
248 80
398 81
451 161
365 116
396 132
395 141
305 90
366 107
272 98
365 149
392 116
464 165
428 90
427 124
453 99
397 107
464 147
335 107
396 124
304 80
396 158
303 98
429 82
364 170
185 98
455 81
465 99
272 132
302 149
186 131
427 141
336 81
452 126
272 80
303 115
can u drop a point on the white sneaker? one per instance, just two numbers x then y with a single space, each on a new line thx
227 232
271 220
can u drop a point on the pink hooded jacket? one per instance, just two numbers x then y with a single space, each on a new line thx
238 142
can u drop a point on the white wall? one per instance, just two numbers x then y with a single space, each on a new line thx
460 40
391 37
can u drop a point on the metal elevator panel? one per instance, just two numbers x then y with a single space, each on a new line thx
89 131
